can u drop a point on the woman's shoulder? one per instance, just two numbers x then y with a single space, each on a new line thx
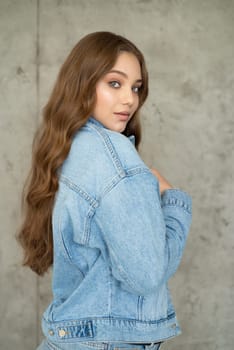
112 139
93 140
97 155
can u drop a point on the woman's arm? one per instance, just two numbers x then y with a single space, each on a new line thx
145 234
174 250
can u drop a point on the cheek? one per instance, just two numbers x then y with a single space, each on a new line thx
136 104
104 95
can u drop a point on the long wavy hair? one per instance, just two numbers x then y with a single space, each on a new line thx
70 105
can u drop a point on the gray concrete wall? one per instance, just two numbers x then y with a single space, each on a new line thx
188 136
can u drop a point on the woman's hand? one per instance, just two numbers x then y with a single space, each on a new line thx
163 183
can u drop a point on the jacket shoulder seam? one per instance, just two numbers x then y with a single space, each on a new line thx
117 179
74 187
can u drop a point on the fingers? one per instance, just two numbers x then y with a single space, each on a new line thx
163 183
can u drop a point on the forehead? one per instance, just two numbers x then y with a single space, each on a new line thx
128 63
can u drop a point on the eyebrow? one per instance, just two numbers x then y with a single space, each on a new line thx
123 74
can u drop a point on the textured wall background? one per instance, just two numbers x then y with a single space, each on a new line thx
188 136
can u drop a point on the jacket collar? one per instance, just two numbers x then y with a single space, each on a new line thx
96 122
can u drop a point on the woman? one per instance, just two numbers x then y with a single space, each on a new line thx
113 229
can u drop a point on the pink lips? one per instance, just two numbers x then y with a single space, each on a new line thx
123 115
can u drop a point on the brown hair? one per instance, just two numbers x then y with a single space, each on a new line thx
71 103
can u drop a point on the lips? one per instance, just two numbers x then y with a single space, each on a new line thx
123 115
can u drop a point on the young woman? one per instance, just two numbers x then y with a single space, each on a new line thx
113 229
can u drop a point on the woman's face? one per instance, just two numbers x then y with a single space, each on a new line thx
117 93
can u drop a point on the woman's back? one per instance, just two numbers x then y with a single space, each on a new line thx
108 270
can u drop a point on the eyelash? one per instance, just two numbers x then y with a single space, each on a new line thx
114 82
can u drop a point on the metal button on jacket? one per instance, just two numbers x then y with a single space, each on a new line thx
62 333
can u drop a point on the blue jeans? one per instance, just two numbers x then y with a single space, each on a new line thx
48 345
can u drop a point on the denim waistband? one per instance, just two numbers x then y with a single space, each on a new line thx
134 346
131 346
98 346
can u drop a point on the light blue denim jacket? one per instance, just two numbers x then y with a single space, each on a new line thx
116 244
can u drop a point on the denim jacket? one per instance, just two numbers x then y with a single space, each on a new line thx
117 242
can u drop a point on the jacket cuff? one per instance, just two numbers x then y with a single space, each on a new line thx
175 197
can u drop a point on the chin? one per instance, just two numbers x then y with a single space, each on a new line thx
120 128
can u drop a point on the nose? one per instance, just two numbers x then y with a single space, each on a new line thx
128 97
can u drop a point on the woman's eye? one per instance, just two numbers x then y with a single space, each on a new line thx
136 89
114 84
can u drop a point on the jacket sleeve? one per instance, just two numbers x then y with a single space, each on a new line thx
145 236
177 211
